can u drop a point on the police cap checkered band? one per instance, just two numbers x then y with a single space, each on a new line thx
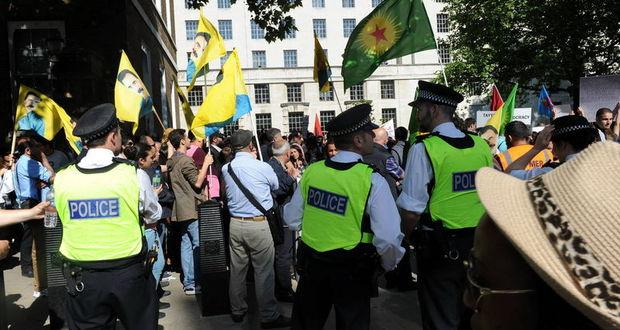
438 94
96 122
352 120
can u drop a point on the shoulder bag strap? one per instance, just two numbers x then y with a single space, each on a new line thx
245 191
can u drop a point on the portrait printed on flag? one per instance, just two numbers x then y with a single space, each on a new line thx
201 40
31 120
133 83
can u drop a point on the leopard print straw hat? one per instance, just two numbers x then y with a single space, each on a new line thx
566 224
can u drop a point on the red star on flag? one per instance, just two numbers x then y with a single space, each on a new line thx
379 34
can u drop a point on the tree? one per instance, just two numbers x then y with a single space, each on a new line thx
270 15
532 42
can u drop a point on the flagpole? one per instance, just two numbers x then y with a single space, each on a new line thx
208 142
260 154
443 69
335 93
159 119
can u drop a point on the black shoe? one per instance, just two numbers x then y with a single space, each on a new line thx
164 284
286 297
280 322
165 293
161 315
27 273
237 318
164 305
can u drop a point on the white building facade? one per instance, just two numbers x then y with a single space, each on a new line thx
278 75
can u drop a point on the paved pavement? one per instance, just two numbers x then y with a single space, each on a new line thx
391 310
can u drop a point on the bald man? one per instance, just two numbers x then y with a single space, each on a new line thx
383 160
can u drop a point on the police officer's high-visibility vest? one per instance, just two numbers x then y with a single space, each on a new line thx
334 205
455 161
513 153
98 209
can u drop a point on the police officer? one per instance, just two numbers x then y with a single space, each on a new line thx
350 225
439 192
99 202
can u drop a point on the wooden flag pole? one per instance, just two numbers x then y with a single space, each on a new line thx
259 152
159 119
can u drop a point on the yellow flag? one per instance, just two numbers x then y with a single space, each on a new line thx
226 101
39 113
187 110
131 98
208 45
496 119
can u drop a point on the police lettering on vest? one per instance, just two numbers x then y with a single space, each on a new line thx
93 208
464 181
327 201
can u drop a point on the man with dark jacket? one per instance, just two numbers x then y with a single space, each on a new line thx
382 159
286 173
186 181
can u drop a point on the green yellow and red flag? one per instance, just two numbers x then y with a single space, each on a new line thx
395 28
322 71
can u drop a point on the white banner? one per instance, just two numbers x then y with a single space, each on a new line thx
521 114
389 127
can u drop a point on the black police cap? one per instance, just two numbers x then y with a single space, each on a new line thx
438 94
96 122
352 120
571 125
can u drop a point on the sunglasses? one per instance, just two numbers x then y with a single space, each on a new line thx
478 291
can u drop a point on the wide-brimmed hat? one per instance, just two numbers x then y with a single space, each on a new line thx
566 225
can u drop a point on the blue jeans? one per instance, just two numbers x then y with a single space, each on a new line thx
152 238
189 252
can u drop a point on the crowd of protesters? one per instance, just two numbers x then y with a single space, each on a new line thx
183 170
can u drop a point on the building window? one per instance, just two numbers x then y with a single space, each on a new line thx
443 25
292 33
348 3
263 121
256 31
224 58
325 117
225 27
375 3
296 121
231 128
259 59
293 92
290 58
195 96
261 94
318 3
387 114
387 89
326 96
223 3
357 92
348 24
189 56
190 29
443 50
319 27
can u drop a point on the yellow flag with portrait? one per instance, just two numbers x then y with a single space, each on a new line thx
131 98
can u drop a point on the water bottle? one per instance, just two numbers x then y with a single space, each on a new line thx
156 182
50 220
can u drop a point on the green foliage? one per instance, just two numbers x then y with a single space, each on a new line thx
270 15
531 42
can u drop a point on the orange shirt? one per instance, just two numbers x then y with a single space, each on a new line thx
509 156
